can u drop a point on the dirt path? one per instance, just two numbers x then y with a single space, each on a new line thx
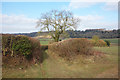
111 73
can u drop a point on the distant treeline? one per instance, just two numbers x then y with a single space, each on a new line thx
33 34
90 33
82 34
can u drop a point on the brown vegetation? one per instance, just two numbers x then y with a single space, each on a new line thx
72 47
99 43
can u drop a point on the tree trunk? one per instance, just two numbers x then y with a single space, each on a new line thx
57 37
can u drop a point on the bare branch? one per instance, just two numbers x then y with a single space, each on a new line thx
57 22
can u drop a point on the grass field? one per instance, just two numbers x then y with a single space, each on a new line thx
44 41
112 40
55 67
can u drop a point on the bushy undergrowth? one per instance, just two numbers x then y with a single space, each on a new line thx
16 45
15 48
99 43
72 47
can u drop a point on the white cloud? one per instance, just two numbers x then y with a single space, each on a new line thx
111 6
94 22
90 17
20 23
17 23
75 5
96 25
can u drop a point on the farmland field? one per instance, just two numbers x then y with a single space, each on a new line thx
55 67
112 40
45 41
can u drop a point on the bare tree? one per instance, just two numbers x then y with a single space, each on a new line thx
57 22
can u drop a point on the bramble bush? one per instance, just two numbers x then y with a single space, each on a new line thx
16 45
21 49
23 45
70 48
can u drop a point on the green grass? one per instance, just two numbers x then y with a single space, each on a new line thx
31 72
108 50
44 41
112 40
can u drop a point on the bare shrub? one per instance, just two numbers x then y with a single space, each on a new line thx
71 47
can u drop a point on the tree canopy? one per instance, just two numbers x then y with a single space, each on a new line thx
57 22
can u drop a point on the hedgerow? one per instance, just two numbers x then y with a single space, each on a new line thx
20 50
16 45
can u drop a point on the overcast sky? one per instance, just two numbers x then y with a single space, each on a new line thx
21 17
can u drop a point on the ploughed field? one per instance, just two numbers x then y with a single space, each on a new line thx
56 67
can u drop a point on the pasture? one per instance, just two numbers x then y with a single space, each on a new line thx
55 67
45 41
114 41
